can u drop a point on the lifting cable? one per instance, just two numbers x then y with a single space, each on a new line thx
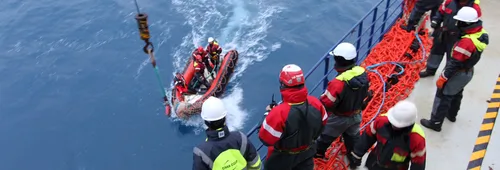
142 22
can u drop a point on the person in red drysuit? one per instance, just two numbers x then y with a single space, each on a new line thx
344 99
290 128
205 58
199 76
400 141
214 51
459 69
446 33
180 84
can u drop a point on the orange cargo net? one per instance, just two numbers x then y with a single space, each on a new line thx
391 57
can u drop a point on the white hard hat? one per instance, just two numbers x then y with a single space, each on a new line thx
403 114
467 14
345 50
213 109
210 39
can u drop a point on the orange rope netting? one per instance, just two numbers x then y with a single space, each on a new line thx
394 48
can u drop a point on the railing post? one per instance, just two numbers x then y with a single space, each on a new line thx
385 18
373 27
325 80
360 32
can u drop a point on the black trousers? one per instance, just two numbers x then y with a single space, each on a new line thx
446 105
443 43
420 10
286 161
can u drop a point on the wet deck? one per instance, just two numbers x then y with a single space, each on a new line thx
452 148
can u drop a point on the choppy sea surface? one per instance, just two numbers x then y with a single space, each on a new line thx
77 92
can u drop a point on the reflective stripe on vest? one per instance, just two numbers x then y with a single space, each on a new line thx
401 158
349 74
229 159
212 47
480 46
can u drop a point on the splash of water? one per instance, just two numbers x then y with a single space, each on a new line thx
244 30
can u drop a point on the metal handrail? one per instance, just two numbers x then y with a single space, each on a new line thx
358 27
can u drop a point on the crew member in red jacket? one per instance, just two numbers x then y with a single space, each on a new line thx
400 141
206 59
290 128
459 70
199 75
344 99
214 51
180 84
447 34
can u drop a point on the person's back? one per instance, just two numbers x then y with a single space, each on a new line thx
290 128
303 122
344 99
223 149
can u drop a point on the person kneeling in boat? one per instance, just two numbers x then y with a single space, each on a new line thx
223 149
206 59
400 141
291 128
214 51
199 75
180 84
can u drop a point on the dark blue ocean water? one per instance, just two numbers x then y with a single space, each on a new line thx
77 92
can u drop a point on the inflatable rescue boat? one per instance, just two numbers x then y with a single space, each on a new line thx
186 104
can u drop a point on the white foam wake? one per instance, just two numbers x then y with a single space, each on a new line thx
236 24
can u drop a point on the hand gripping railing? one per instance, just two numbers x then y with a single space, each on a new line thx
380 24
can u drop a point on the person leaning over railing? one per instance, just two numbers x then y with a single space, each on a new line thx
290 128
344 99
400 141
223 149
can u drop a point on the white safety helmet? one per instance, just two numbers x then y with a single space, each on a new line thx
211 40
213 109
403 114
345 50
467 14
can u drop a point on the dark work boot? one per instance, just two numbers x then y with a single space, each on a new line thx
451 118
427 73
436 126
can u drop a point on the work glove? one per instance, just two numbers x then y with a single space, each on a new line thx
441 81
354 160
269 107
434 24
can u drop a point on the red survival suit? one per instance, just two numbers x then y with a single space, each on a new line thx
205 58
291 127
199 76
214 51
395 149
